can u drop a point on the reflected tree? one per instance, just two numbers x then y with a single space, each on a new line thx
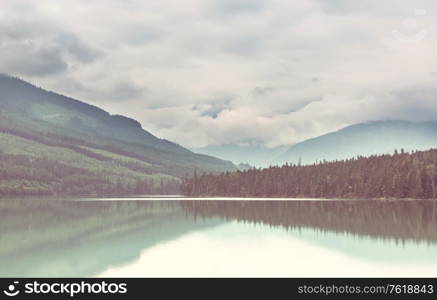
400 220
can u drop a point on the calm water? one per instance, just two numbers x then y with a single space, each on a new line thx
227 237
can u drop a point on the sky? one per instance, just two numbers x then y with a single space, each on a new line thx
212 72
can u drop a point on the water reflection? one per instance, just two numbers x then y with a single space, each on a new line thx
217 238
398 220
82 238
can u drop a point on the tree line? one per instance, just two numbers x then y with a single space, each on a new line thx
399 175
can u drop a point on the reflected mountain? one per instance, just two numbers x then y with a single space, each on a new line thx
45 238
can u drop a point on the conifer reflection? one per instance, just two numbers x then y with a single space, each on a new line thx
401 220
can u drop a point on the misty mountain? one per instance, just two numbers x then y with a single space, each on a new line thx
47 139
258 156
364 139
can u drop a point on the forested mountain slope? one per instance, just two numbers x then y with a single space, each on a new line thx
52 144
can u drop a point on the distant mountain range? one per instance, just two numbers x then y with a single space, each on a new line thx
363 139
257 156
379 137
52 144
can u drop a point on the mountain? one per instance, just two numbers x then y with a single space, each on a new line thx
364 139
257 156
52 144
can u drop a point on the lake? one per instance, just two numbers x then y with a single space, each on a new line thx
178 237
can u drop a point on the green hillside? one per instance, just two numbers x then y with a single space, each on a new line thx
51 145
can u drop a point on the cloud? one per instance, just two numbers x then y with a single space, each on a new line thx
220 71
234 7
71 45
214 107
30 59
392 8
37 49
126 90
261 91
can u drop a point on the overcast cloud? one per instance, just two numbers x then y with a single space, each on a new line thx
202 72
